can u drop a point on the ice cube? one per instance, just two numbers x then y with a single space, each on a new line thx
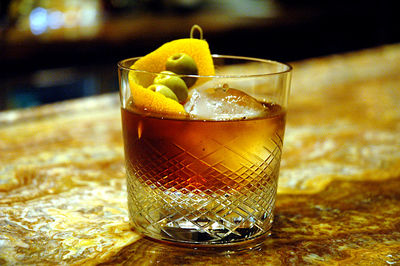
223 103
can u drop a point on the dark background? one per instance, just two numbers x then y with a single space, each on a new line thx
70 62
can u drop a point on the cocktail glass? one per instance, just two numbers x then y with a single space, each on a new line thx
208 179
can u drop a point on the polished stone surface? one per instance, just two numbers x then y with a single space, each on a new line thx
62 184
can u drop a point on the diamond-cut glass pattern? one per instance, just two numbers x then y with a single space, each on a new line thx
223 195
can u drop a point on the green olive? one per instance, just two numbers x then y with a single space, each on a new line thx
183 64
175 83
164 90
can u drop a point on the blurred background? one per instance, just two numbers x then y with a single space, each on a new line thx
52 50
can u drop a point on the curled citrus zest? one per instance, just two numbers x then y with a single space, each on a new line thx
199 29
154 62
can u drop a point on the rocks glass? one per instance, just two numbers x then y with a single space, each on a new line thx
209 178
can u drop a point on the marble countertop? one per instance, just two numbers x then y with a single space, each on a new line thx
62 183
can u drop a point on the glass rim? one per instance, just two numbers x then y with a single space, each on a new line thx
288 68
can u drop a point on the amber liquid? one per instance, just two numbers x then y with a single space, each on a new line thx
216 177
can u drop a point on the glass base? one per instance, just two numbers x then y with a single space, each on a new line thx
206 234
228 246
